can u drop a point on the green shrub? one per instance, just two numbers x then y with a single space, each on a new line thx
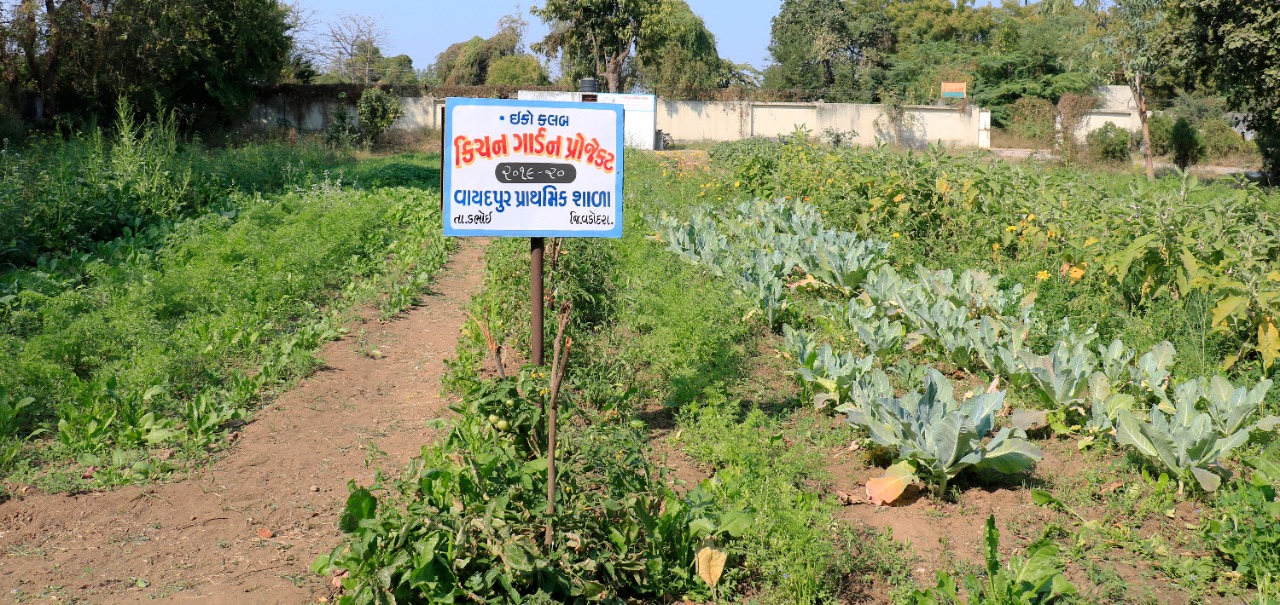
1033 119
1161 129
377 109
1109 143
12 130
730 154
1185 143
1246 529
1220 140
62 194
754 161
342 131
1196 108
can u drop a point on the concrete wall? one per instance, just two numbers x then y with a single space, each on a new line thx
727 121
1127 120
420 113
689 121
1117 105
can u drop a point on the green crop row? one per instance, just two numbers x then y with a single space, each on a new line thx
163 336
1162 411
651 338
66 193
467 520
970 323
1107 248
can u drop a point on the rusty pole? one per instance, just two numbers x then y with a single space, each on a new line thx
537 246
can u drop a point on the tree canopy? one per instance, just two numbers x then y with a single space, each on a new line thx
594 37
500 59
1236 45
826 48
198 59
676 55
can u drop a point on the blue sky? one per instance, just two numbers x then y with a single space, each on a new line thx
423 29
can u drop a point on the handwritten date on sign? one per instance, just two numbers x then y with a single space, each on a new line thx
535 172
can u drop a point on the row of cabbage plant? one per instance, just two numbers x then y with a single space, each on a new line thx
968 322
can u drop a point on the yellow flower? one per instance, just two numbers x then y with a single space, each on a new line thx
995 247
1031 217
1011 228
896 234
898 198
1041 276
806 198
1076 273
737 183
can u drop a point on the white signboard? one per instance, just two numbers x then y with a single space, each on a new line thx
532 168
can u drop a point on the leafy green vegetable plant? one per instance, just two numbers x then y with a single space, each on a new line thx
10 410
942 437
465 521
1035 580
1185 441
1246 524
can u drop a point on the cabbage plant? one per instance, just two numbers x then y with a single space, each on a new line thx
942 437
1184 440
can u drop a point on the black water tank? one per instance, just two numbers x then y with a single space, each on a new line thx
588 85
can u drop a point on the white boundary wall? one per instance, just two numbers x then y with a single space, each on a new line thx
920 125
1116 105
691 121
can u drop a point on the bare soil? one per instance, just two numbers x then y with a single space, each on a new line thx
246 528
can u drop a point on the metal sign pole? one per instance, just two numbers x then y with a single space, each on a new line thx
536 247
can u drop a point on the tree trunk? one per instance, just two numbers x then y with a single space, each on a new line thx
1142 117
44 74
613 70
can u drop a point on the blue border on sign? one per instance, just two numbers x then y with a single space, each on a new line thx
450 103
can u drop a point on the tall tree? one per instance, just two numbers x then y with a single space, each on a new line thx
1236 44
676 55
594 37
352 46
304 44
516 70
501 59
823 46
198 58
1132 41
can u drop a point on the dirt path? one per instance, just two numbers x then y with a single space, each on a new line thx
204 539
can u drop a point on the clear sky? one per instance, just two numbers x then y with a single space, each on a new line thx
423 29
